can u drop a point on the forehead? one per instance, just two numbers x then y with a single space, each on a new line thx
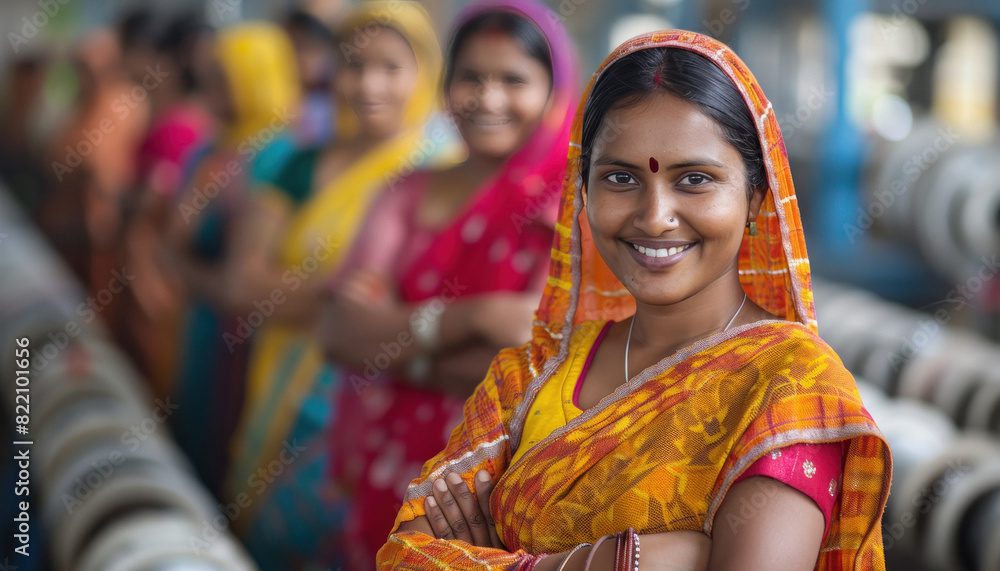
661 125
376 40
493 49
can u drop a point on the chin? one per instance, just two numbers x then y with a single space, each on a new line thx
375 126
494 144
656 294
492 149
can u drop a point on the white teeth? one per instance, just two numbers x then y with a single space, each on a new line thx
660 252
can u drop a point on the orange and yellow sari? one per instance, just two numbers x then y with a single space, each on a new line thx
662 451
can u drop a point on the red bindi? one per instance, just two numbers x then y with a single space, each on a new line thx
653 165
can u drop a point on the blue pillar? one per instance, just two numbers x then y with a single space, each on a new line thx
842 146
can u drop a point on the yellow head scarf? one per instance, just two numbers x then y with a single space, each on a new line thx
412 22
337 210
259 65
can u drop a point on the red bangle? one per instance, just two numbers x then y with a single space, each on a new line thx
530 562
626 555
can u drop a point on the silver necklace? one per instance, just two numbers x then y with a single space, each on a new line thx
628 340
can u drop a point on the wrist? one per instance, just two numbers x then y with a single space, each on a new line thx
463 319
478 315
425 328
418 370
425 325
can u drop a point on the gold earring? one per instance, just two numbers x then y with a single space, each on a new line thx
752 225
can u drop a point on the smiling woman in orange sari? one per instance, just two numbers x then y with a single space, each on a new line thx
675 393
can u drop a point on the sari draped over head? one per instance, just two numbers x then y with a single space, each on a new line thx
257 62
264 88
521 197
288 392
498 241
661 452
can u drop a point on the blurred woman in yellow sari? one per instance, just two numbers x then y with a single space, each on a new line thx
675 394
289 243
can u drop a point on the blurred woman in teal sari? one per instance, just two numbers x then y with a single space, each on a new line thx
254 93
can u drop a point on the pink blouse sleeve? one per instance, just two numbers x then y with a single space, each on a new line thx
378 242
813 469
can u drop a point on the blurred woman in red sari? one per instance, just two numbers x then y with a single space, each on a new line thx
457 256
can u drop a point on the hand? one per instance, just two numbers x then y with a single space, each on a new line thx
346 326
459 370
366 288
455 513
505 319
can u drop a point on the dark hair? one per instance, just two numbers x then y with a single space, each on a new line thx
687 75
136 28
299 21
178 40
509 23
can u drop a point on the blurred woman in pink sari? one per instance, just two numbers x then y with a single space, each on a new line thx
450 263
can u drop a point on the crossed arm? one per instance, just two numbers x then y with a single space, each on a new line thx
784 532
761 525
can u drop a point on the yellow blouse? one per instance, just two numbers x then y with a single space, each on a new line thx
553 406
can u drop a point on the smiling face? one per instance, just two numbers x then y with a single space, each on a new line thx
670 234
498 94
377 79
